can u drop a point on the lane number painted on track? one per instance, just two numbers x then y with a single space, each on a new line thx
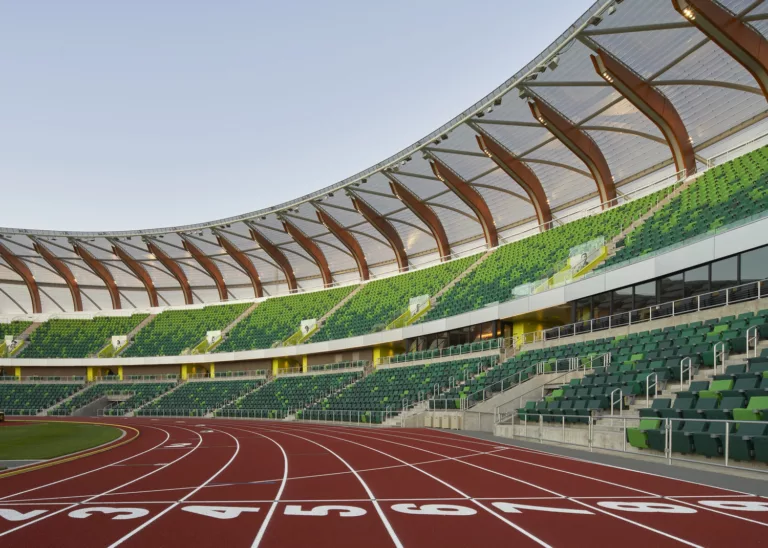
219 512
434 510
121 513
14 515
344 511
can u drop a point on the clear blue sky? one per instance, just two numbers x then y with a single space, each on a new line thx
144 113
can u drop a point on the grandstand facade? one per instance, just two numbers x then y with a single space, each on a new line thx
617 180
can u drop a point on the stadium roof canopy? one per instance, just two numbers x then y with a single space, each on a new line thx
633 91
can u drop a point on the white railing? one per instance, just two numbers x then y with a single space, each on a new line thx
609 433
714 299
451 351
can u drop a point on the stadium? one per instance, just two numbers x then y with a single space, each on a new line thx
544 323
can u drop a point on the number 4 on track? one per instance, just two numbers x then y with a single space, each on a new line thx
219 512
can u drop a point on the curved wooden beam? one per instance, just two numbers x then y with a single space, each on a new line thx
521 174
21 268
425 215
312 248
139 271
385 228
469 196
581 144
738 39
208 265
245 263
277 256
651 102
101 271
62 270
174 268
346 238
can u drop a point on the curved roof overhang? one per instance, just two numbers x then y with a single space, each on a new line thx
699 69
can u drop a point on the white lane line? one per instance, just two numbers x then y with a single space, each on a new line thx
167 436
716 511
174 505
376 505
614 466
449 486
275 480
46 516
263 528
517 479
622 518
525 462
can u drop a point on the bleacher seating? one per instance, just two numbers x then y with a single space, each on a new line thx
29 399
723 195
382 301
173 331
393 388
531 259
289 393
14 328
198 398
141 392
61 338
279 318
637 356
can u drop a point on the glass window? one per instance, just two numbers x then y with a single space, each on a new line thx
601 305
725 273
622 300
672 288
754 265
583 309
697 281
645 295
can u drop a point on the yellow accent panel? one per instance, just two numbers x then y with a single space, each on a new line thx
599 259
212 370
89 374
184 373
304 364
120 372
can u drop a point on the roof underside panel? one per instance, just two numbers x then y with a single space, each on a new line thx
629 154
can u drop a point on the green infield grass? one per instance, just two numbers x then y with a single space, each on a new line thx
47 440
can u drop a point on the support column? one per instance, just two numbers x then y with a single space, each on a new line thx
275 366
304 364
184 374
89 374
17 372
212 370
120 372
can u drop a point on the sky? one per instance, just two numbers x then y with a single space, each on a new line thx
119 115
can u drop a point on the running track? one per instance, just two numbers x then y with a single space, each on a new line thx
205 482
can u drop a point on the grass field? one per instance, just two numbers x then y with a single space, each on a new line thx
47 440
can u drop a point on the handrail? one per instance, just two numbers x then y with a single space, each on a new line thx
686 365
752 340
617 400
713 299
648 387
719 352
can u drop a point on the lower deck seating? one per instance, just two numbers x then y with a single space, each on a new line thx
18 398
199 398
393 388
140 392
288 393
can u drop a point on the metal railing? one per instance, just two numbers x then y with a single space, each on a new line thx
610 433
35 379
339 366
25 412
714 299
449 352
180 412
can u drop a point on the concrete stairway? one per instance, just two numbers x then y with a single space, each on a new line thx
647 215
44 412
133 413
461 276
239 319
132 335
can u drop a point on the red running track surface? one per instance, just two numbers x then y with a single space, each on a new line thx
207 482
